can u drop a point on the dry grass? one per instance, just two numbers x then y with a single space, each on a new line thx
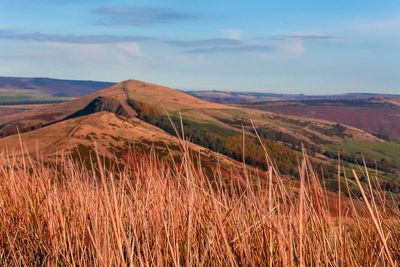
154 213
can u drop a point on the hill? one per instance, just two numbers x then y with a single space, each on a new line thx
223 129
57 210
152 103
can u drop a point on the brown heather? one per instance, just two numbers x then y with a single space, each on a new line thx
154 214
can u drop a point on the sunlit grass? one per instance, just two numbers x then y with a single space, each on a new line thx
153 213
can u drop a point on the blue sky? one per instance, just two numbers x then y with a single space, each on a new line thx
313 47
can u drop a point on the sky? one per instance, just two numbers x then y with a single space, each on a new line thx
285 46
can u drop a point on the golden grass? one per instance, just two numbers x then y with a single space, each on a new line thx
153 213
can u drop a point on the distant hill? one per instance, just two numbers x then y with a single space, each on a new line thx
53 87
379 116
250 97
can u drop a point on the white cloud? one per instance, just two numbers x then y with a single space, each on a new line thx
233 34
131 48
293 47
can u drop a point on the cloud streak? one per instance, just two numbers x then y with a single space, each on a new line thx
207 42
287 43
232 49
293 47
73 39
304 37
125 15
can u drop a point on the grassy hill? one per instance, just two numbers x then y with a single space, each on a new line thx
235 132
143 173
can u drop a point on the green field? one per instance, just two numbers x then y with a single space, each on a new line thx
384 157
25 96
387 151
382 160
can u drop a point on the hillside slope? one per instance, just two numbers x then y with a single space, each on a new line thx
112 136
